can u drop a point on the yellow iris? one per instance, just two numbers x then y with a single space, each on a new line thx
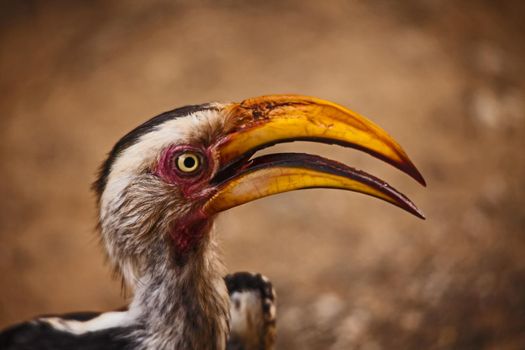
188 162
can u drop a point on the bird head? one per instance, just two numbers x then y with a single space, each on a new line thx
165 181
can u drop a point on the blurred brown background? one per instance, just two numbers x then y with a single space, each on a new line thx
444 77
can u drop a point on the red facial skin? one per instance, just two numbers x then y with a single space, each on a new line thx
188 231
192 185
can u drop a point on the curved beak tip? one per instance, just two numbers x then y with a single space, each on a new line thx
414 172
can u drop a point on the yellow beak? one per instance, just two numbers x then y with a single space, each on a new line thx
265 121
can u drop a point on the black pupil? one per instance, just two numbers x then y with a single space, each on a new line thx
189 162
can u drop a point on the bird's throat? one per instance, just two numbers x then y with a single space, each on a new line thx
189 233
184 306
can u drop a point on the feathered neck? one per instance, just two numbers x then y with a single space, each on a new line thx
182 306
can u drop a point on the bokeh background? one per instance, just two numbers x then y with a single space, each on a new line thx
445 77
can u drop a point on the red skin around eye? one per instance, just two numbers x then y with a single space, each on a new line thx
191 185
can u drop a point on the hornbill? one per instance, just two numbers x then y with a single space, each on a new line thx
158 193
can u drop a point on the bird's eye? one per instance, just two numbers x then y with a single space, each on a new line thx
188 162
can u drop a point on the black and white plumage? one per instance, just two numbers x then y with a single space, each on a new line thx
158 194
252 312
252 325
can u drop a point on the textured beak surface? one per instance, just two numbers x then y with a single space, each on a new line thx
261 122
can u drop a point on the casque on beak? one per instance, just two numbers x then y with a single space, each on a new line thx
261 122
